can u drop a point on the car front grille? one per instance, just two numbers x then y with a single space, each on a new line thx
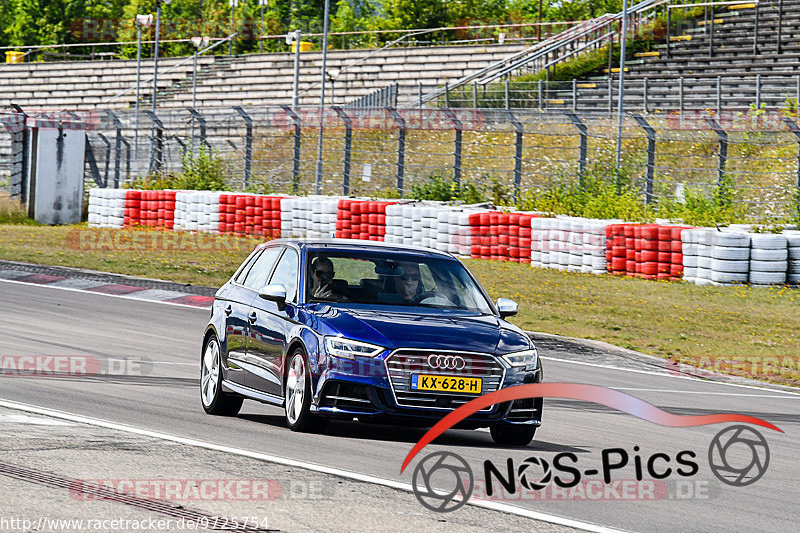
401 364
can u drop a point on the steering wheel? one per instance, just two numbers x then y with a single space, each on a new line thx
432 298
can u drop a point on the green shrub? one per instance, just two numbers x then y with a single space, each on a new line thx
201 171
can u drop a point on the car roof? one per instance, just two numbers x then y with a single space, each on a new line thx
356 245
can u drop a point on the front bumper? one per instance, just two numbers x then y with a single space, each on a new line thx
377 390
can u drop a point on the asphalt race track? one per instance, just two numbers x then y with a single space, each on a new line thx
157 390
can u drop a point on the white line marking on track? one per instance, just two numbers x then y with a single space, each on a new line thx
491 505
709 393
667 375
124 297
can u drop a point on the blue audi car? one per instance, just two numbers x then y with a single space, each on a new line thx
357 329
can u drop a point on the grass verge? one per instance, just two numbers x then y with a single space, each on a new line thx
740 330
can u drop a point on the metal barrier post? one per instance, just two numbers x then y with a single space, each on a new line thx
540 94
156 143
474 95
296 155
401 148
680 96
107 162
518 139
446 94
758 91
644 95
719 95
723 149
574 94
348 139
248 144
117 146
584 133
794 128
506 95
200 120
651 156
457 148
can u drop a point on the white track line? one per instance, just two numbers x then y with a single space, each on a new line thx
123 296
797 397
664 374
491 505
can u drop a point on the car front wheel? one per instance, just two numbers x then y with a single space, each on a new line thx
506 434
297 396
215 401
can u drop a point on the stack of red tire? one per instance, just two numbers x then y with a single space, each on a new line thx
153 209
358 219
501 236
649 251
247 214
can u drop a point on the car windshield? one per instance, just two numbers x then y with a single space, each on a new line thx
396 279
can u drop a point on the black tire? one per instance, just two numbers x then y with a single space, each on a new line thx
506 434
297 410
212 397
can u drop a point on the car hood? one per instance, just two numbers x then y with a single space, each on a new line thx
429 328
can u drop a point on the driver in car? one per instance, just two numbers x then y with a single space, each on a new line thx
322 278
408 284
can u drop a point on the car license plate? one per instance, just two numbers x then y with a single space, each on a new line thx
445 383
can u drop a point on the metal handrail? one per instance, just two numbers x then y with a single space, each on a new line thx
714 4
539 50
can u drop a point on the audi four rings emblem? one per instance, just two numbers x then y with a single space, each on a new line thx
446 362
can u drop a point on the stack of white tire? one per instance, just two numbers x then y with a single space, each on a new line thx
793 242
323 218
197 211
705 245
593 246
730 257
107 208
769 259
453 232
395 227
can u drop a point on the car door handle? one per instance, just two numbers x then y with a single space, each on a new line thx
228 310
252 317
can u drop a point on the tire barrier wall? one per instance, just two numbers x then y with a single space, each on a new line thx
705 256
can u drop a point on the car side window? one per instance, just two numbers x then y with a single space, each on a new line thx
257 277
286 274
245 267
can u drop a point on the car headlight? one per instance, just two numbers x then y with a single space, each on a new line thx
349 349
525 358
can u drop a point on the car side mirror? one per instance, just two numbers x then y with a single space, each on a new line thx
507 307
275 292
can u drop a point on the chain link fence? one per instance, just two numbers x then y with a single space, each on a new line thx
387 152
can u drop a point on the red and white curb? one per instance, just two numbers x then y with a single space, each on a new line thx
110 289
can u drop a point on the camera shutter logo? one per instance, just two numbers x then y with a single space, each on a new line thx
729 451
446 362
454 476
528 476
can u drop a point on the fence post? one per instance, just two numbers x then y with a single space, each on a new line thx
127 159
348 139
117 146
107 162
794 128
680 97
540 94
474 95
584 133
447 95
518 139
200 120
574 94
401 148
248 144
507 95
18 127
156 143
719 95
457 148
651 156
723 149
296 156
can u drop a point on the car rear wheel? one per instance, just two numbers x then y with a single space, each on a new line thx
507 434
297 396
215 401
